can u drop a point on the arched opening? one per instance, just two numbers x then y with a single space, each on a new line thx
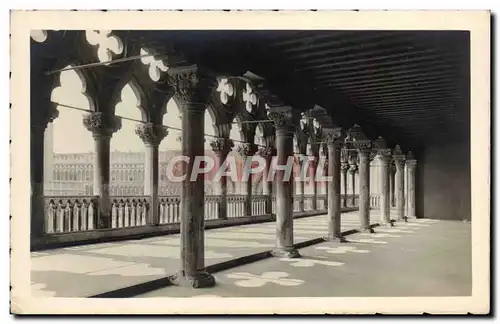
236 135
60 150
170 146
127 148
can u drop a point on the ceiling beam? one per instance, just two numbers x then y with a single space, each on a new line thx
402 100
400 87
409 62
398 70
362 95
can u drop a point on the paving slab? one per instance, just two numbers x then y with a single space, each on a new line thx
424 258
92 269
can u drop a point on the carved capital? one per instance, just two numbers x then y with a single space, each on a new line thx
222 145
43 119
410 160
192 86
359 140
247 149
381 148
333 136
398 155
344 167
151 134
102 125
282 118
267 151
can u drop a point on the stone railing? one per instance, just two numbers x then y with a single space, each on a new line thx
259 205
129 211
212 203
374 201
70 214
273 204
236 206
170 209
321 202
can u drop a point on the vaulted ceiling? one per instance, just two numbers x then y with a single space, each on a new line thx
411 87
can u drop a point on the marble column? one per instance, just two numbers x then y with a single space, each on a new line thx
300 181
383 156
267 153
314 184
221 147
193 88
246 151
411 164
151 134
38 125
282 117
353 169
334 140
102 126
344 167
392 172
399 160
363 145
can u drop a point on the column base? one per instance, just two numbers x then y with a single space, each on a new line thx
201 279
290 253
366 230
336 238
387 224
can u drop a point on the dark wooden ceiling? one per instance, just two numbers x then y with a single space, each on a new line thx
411 87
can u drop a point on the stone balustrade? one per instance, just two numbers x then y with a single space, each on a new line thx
129 211
70 214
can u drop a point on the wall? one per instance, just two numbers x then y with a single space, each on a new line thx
443 182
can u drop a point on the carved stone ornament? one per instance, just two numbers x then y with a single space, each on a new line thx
344 166
247 149
281 116
155 67
107 44
411 161
249 97
381 148
48 116
222 145
333 136
226 90
360 141
267 151
192 88
151 134
398 154
100 124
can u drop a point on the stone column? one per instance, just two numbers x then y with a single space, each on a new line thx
334 140
267 153
363 145
39 122
247 150
282 117
102 126
392 172
314 198
300 185
399 160
221 148
344 167
353 169
384 155
151 134
411 164
192 89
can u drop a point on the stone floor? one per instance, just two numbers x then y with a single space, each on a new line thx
88 270
419 258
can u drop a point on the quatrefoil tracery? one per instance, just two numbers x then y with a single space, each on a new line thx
250 98
226 90
107 45
156 67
